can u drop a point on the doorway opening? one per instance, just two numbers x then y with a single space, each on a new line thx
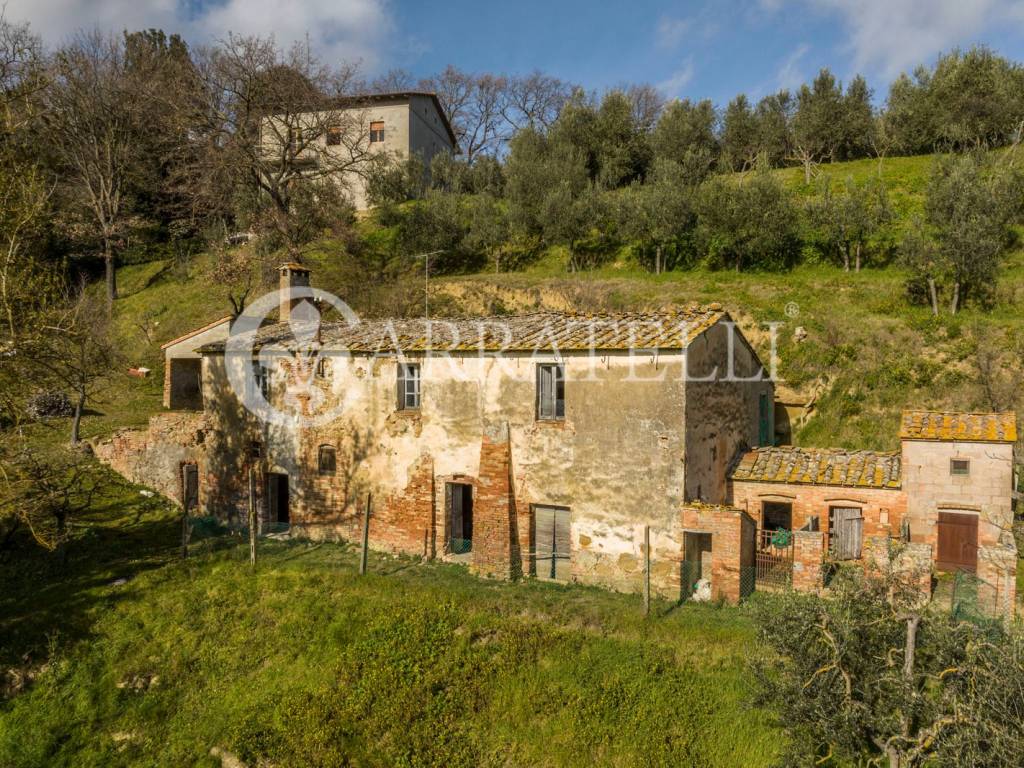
958 542
278 500
459 503
845 532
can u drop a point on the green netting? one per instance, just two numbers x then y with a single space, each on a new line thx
460 546
974 600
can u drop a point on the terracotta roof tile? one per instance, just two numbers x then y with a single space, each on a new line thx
667 329
962 427
819 466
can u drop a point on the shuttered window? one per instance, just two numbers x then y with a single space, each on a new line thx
551 543
550 392
408 386
376 131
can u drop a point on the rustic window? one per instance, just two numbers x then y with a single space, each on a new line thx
327 460
255 449
261 378
959 466
323 368
333 136
408 386
376 131
550 392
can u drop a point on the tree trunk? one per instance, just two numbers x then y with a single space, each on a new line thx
846 257
76 421
856 250
933 294
108 262
807 170
657 260
956 299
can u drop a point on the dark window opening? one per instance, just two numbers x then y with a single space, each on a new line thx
408 386
255 449
459 503
327 460
261 378
333 136
959 466
376 131
323 368
550 392
776 516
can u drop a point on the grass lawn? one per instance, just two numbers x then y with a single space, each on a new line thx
304 663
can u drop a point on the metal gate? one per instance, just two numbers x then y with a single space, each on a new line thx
773 558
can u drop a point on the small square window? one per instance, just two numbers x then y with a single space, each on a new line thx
408 386
959 466
550 392
327 460
255 449
333 136
376 131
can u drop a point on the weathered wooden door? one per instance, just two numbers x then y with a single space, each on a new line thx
846 532
551 543
958 542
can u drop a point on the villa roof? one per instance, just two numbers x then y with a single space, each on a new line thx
819 466
195 332
959 427
540 331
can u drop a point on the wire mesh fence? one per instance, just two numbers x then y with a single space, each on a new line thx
974 600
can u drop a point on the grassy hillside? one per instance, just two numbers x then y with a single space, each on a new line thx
304 663
868 352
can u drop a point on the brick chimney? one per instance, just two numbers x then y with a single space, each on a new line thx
293 276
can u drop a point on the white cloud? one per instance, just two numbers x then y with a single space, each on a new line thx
790 74
670 31
890 36
674 85
337 29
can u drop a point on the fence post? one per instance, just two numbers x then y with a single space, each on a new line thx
647 570
184 511
366 537
252 516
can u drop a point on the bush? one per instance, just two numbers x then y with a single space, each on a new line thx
49 405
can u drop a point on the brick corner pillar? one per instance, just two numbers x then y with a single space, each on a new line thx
808 554
726 556
167 382
494 528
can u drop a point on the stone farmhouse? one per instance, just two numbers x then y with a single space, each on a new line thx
554 445
345 133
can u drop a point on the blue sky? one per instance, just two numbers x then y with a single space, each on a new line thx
690 49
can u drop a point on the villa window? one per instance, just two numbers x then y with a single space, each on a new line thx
550 392
408 386
959 467
377 132
323 368
334 136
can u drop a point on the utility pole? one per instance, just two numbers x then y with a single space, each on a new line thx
647 570
252 516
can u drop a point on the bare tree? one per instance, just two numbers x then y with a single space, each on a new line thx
534 101
647 104
92 125
74 350
21 74
274 123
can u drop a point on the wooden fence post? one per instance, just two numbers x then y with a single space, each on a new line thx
366 537
184 511
647 570
252 516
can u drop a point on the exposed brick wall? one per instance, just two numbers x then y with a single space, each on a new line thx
153 456
908 564
808 553
495 536
883 509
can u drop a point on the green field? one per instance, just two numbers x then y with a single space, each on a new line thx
304 663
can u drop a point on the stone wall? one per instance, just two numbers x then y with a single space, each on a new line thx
153 457
907 564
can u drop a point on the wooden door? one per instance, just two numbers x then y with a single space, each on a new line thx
551 543
958 542
846 532
190 486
